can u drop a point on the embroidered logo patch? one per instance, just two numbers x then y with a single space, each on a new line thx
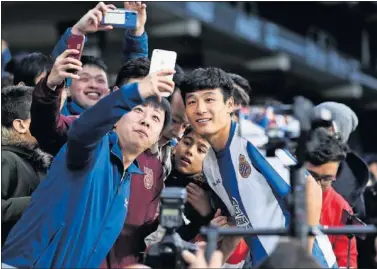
148 178
244 167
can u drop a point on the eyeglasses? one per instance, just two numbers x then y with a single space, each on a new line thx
325 178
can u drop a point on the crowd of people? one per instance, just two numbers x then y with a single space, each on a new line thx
84 163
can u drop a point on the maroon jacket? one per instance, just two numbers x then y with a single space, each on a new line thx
50 129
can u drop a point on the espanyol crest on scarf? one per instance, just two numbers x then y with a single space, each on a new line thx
244 167
148 178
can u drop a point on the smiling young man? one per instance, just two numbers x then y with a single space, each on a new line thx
245 181
79 209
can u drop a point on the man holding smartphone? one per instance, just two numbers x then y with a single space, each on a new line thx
78 211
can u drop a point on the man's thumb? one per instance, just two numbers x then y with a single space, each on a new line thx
218 213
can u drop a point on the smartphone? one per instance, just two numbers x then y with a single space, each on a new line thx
163 59
76 42
349 219
120 18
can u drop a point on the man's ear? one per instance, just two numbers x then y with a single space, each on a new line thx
21 84
230 104
20 126
115 88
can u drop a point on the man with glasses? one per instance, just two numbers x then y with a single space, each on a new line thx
323 164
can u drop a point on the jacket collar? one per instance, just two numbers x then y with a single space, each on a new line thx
26 149
71 108
117 153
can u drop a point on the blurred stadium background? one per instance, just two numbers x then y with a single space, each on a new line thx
321 50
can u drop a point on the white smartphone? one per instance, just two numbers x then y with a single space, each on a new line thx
163 59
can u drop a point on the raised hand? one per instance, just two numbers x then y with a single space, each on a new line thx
59 71
91 21
219 220
156 83
198 260
197 197
141 9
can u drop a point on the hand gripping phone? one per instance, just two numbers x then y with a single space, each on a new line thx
120 18
163 59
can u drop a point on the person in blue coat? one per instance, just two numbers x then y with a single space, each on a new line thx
78 211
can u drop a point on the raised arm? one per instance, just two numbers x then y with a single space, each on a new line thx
136 41
48 126
89 23
87 131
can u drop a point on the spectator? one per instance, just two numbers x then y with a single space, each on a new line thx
242 91
88 88
240 95
187 173
23 164
367 252
31 69
208 96
79 210
51 129
179 123
133 71
353 174
93 84
323 164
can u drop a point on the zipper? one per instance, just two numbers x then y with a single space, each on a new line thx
107 213
121 181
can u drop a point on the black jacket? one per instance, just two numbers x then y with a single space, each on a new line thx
352 178
22 167
366 249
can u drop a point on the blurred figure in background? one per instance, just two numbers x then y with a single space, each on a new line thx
23 164
323 165
367 252
31 69
353 175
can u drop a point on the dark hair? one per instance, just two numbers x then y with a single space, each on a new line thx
207 78
94 61
15 104
135 68
188 130
326 148
164 105
30 67
242 90
179 76
16 59
289 255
